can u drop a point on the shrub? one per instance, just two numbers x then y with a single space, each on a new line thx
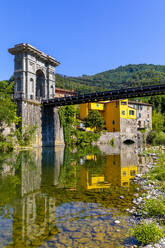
147 233
83 138
159 139
6 146
156 138
25 135
151 136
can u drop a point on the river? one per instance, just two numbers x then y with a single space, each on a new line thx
53 197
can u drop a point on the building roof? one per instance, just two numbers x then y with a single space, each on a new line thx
27 47
64 90
139 103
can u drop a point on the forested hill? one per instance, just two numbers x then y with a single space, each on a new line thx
123 76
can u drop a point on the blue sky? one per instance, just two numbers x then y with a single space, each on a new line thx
86 36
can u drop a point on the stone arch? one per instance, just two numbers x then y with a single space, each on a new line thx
40 84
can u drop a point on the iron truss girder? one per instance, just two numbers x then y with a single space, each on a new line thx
107 95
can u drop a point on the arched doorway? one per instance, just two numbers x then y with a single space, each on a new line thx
40 84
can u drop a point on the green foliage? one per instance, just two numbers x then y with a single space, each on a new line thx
158 121
72 135
8 115
67 119
147 233
156 138
155 207
25 135
162 187
67 114
151 136
159 139
158 172
123 76
8 110
82 138
157 135
6 146
94 120
112 141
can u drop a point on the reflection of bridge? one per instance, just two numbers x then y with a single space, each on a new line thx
107 95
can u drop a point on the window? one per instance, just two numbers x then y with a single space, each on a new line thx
113 122
140 115
139 124
132 173
141 107
124 173
131 112
52 90
97 105
32 85
123 112
123 103
148 116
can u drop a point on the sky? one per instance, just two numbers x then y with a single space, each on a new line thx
86 36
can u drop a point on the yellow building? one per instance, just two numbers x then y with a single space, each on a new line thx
112 112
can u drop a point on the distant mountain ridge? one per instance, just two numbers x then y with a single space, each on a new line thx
124 76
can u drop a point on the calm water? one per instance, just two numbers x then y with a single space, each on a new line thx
57 198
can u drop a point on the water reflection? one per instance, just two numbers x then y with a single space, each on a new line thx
117 169
35 194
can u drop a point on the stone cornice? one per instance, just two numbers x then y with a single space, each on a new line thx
28 48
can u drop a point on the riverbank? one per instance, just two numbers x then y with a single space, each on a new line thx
149 207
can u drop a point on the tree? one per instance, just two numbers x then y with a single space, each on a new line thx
158 121
94 120
8 110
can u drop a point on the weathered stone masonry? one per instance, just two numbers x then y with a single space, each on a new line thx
34 76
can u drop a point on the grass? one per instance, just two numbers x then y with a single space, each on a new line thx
158 172
155 207
162 187
148 233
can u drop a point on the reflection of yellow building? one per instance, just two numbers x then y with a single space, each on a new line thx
91 157
116 174
112 112
91 180
118 171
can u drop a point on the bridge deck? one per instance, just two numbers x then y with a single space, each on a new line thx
107 95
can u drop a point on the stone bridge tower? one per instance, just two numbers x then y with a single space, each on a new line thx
34 73
34 77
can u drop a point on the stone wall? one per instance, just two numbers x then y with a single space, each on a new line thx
49 132
31 114
128 129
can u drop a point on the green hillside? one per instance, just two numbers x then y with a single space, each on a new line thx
123 76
